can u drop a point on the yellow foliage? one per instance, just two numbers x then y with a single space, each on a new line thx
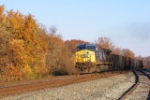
27 71
40 66
17 52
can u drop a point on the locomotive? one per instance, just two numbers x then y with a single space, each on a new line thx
90 58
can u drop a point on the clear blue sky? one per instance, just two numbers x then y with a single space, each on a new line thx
125 22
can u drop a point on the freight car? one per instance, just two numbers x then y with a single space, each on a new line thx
90 58
146 64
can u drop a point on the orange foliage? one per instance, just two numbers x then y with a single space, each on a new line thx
116 51
128 53
105 43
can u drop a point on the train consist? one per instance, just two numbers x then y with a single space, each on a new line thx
90 58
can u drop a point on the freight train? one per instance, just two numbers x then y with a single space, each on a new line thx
90 58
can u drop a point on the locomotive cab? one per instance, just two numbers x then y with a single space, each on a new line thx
85 58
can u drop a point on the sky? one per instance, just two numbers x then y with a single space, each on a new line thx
125 22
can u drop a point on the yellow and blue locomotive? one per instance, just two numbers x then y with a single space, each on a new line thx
91 58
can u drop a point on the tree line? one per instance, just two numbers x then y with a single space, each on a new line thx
28 50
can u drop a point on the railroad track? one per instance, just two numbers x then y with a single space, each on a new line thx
141 89
49 83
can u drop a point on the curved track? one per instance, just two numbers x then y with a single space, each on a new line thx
141 89
11 89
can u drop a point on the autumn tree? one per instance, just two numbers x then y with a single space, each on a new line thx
60 56
2 18
4 35
105 43
18 34
117 51
128 53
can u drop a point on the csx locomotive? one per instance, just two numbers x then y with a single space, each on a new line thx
91 58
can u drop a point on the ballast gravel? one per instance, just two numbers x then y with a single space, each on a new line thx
110 88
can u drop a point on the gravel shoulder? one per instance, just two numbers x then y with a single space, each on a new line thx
102 89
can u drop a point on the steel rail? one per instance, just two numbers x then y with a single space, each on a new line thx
142 71
131 88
